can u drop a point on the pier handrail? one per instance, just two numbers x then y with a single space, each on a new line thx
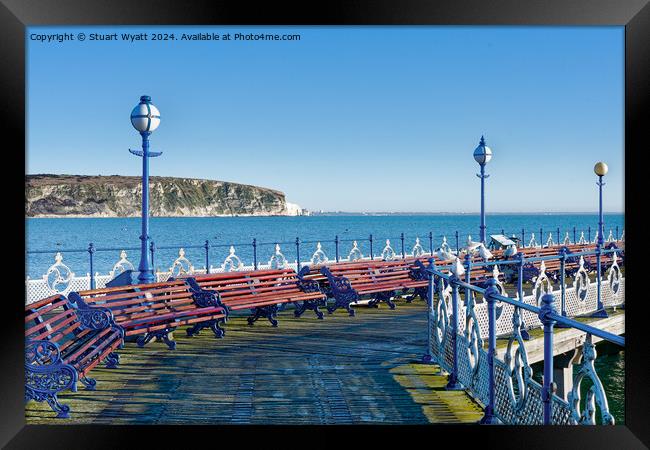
570 323
447 324
333 250
545 258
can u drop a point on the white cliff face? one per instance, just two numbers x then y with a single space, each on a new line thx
118 196
293 209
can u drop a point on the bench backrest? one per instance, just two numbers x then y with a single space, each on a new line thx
51 319
132 302
248 284
407 265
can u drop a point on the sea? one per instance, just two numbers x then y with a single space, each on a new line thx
45 237
72 236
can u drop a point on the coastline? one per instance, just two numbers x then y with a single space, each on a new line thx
102 216
333 214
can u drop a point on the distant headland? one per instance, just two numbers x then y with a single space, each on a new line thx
48 195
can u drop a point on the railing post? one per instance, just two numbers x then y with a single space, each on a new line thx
427 355
617 235
152 249
523 238
336 243
298 254
207 256
520 292
401 236
548 389
453 383
457 247
600 308
489 418
574 235
371 255
541 236
255 253
503 233
91 251
558 235
468 273
589 233
562 285
431 242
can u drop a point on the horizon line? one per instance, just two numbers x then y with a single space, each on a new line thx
314 212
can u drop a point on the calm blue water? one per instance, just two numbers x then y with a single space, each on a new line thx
63 234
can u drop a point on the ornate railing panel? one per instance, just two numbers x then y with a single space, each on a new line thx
319 257
518 398
277 261
355 254
232 262
388 254
417 250
61 279
181 265
122 265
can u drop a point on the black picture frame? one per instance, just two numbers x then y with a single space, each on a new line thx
15 15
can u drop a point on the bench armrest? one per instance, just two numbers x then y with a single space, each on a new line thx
45 372
204 298
338 285
308 285
529 271
76 301
418 273
42 353
95 317
304 270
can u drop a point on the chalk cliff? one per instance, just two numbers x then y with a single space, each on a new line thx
121 196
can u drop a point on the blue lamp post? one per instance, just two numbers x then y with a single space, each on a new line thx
600 169
145 118
482 155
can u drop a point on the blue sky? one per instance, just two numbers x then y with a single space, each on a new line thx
347 118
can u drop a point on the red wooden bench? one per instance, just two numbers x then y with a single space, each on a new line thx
553 266
406 274
62 345
155 310
379 279
262 291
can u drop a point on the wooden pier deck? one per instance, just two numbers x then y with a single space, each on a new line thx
341 370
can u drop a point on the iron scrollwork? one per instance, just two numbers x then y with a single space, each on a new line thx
202 297
46 375
473 337
581 281
95 318
442 314
595 394
517 368
542 285
309 286
342 290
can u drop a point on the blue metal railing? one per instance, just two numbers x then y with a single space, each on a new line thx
546 313
254 246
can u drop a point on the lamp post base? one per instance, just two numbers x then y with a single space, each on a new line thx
146 277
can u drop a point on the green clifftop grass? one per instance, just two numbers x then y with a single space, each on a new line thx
121 196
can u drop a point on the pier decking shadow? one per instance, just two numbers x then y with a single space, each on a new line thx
341 370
